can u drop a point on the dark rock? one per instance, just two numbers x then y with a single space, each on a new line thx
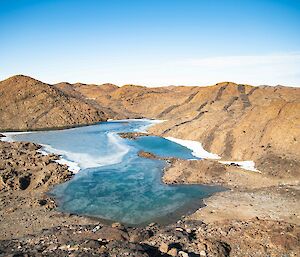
42 202
24 182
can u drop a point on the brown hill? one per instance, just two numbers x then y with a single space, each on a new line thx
88 93
132 101
238 122
27 104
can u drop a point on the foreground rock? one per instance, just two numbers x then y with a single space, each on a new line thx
25 176
183 239
24 168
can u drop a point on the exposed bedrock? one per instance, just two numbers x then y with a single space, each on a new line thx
23 168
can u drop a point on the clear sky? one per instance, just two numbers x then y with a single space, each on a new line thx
152 42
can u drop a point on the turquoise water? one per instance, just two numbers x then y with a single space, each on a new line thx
114 183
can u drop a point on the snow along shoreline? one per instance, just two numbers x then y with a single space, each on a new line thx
200 152
72 166
196 147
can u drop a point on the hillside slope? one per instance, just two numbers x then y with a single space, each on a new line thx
238 122
132 101
26 103
241 123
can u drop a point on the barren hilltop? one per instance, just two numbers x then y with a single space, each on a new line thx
27 104
258 216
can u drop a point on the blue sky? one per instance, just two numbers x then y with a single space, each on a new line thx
152 42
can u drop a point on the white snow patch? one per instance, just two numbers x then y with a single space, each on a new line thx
9 135
72 166
143 129
196 147
42 151
246 165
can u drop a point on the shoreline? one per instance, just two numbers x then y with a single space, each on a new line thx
196 148
8 130
25 213
51 210
75 168
72 166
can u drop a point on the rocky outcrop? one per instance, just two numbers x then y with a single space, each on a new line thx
23 168
26 176
195 172
28 104
187 238
133 135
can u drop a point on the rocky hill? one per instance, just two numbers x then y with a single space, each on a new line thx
131 101
238 122
26 103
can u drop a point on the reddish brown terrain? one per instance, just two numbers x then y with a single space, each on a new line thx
28 104
238 122
258 216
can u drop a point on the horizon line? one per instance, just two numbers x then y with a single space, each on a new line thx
141 85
